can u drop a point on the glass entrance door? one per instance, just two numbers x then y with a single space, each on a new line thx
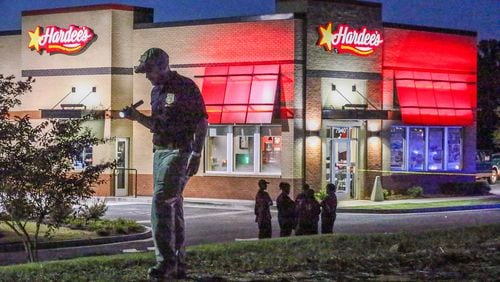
121 175
343 149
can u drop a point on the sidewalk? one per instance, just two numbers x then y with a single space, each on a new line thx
343 206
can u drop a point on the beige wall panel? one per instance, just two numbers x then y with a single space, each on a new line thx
48 90
121 92
142 150
121 128
122 39
10 55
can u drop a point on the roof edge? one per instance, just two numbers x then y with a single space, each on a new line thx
10 32
80 9
430 29
268 17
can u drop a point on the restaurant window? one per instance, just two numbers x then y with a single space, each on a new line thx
426 148
417 147
270 149
85 159
435 149
454 147
398 143
217 148
243 149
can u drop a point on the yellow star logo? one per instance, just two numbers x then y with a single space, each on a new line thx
35 39
326 37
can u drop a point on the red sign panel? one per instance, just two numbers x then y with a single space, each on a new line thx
53 39
345 39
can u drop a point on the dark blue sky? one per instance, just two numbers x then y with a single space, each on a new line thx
482 16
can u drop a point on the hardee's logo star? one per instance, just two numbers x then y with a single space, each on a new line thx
35 39
345 39
326 37
55 39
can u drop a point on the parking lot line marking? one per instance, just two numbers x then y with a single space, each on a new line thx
216 214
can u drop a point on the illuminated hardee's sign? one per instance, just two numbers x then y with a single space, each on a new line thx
53 39
345 39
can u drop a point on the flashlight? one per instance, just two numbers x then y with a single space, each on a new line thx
125 112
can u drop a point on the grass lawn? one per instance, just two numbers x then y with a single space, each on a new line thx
465 254
62 233
389 206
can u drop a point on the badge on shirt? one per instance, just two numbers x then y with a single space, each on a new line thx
170 99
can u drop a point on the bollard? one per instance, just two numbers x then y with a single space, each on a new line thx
377 193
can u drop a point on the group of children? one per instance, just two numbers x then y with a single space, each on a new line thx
303 214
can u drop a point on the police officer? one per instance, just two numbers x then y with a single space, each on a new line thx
302 195
263 202
328 209
286 210
179 124
308 211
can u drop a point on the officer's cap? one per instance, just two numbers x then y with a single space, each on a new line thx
152 56
284 185
262 182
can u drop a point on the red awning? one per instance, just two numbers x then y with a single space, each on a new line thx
427 98
240 94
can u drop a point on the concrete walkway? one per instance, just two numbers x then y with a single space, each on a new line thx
345 205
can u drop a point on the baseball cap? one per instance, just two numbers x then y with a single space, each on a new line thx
284 185
262 181
149 58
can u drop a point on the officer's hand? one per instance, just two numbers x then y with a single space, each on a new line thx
193 164
131 113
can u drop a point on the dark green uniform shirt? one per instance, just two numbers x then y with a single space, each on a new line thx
177 107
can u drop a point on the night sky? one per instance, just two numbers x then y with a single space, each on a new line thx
482 16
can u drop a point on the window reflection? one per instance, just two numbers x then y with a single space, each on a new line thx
270 145
454 149
85 159
243 149
217 149
417 143
427 148
435 157
398 142
242 142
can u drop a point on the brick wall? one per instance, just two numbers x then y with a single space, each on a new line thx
217 187
429 182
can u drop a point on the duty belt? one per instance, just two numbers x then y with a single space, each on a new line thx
168 146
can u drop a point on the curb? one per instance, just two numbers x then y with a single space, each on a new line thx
419 210
18 246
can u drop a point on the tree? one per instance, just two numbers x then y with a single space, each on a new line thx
37 180
488 98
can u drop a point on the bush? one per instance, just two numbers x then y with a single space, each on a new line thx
415 192
465 189
320 195
106 227
76 223
386 193
95 210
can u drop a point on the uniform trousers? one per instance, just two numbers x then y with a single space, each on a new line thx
167 214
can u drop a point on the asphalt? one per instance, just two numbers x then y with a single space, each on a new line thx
82 248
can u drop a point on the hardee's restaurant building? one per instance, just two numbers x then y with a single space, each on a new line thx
321 91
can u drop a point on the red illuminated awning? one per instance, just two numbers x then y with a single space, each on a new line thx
240 94
428 98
